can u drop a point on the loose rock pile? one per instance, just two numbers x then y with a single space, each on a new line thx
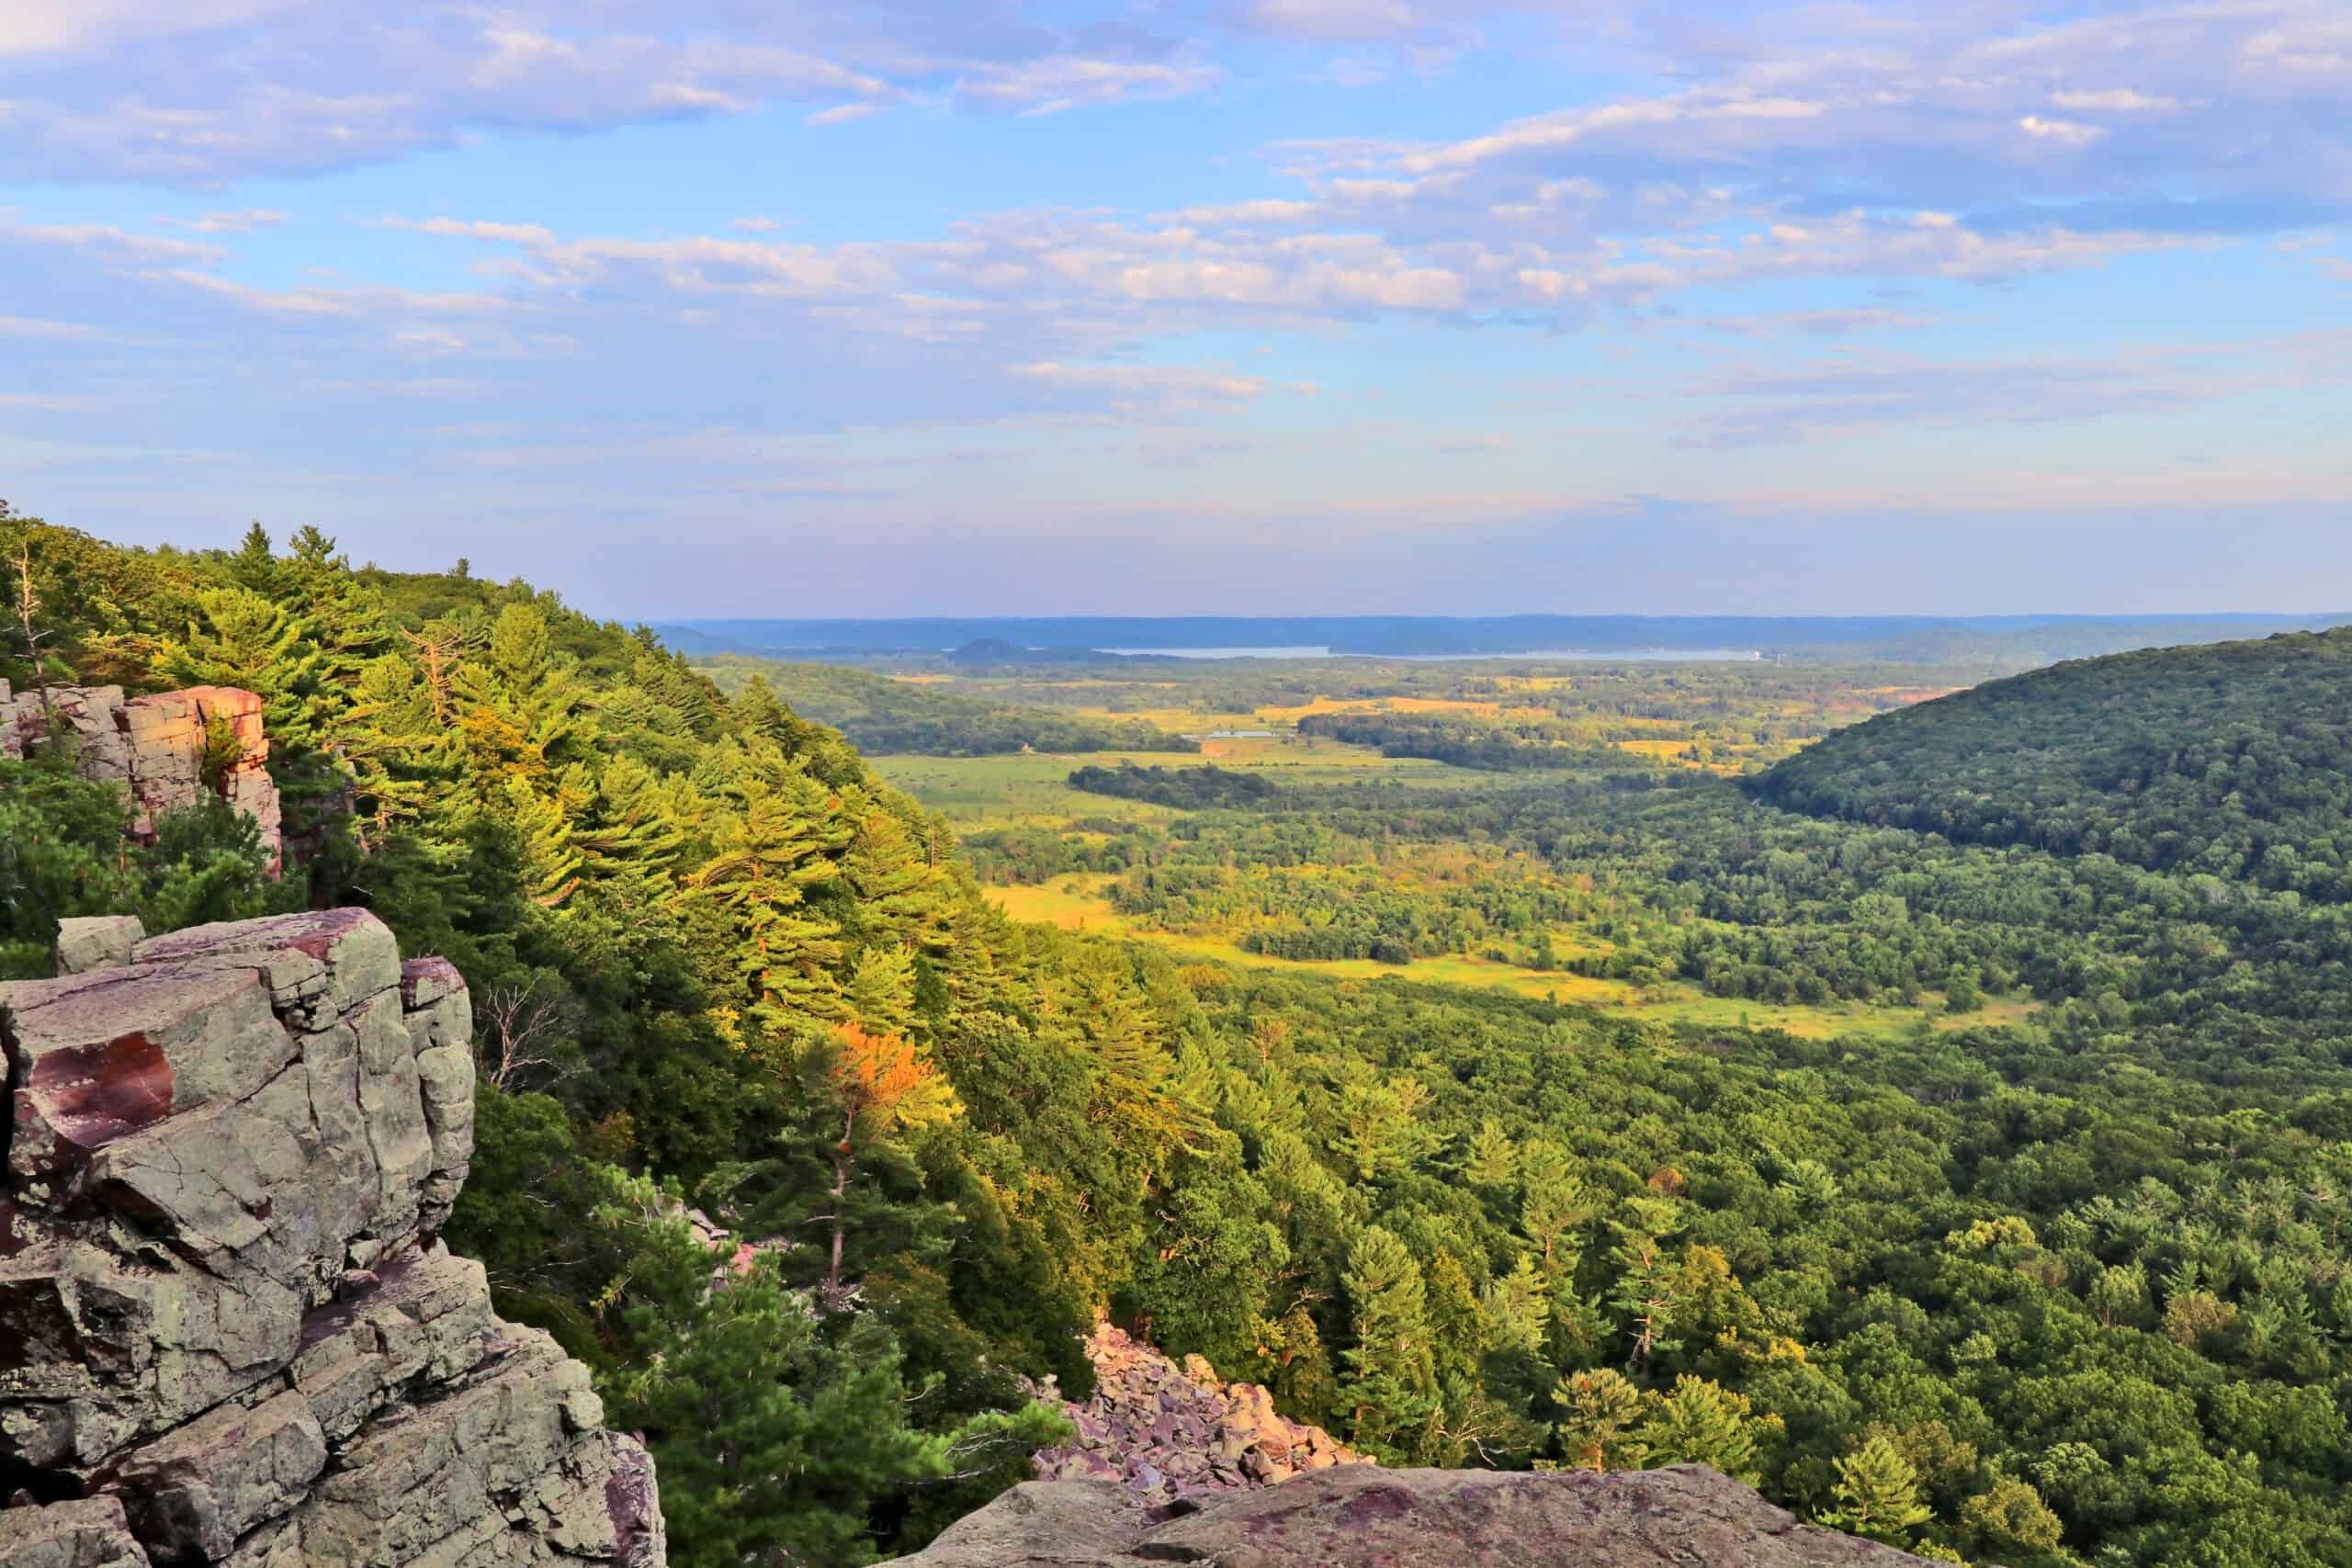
154 746
230 1333
1170 1432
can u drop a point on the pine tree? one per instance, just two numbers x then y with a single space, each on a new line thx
775 1436
766 860
240 637
1599 1410
1518 1308
1491 1160
254 563
1877 1495
1554 1206
1649 1283
1393 1391
1701 1422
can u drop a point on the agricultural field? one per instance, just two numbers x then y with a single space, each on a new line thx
1029 788
1080 904
1456 827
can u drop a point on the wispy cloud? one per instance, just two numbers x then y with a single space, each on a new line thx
241 222
1756 254
1057 83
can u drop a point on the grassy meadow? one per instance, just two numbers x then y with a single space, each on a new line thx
1244 715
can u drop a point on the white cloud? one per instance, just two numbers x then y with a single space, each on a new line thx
205 92
2065 132
65 27
241 222
1167 387
2114 100
1063 82
1336 19
22 326
106 240
1268 211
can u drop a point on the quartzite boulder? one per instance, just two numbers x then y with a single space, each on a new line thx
1360 1516
230 1333
155 747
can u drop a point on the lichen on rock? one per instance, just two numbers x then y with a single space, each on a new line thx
1363 1516
233 1334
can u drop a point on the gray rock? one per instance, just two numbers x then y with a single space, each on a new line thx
97 942
224 1303
88 1533
1360 1516
194 1492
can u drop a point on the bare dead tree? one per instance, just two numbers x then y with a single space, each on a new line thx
26 607
525 1022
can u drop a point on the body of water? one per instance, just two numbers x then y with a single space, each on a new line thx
1556 655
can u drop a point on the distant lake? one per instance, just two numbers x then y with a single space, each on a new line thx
1622 655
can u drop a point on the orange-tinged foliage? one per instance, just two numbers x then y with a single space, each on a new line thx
885 1079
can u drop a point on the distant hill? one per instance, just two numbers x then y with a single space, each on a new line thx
1996 642
2233 758
992 652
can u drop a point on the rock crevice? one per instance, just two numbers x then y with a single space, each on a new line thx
233 1334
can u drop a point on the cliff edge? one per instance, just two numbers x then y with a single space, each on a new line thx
232 1334
1365 1516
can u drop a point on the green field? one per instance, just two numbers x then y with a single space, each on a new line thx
1032 788
1078 903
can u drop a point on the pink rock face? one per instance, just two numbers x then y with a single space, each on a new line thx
1169 1432
96 1095
154 746
97 1057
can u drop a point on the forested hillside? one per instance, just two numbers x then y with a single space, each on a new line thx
2233 759
2075 1293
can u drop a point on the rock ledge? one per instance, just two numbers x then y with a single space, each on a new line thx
228 1332
1360 1517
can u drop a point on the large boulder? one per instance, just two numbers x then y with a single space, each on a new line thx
159 748
1360 1517
231 1332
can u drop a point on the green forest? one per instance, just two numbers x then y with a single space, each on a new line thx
1943 1125
878 713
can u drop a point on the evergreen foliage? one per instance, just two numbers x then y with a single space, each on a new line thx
2079 1291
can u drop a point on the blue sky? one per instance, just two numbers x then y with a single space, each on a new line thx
765 307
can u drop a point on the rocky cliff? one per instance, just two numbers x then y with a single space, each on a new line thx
1169 1433
154 747
230 1333
1360 1517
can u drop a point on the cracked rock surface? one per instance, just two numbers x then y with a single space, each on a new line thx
228 1330
1364 1516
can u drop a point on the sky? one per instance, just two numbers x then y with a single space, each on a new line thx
912 307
